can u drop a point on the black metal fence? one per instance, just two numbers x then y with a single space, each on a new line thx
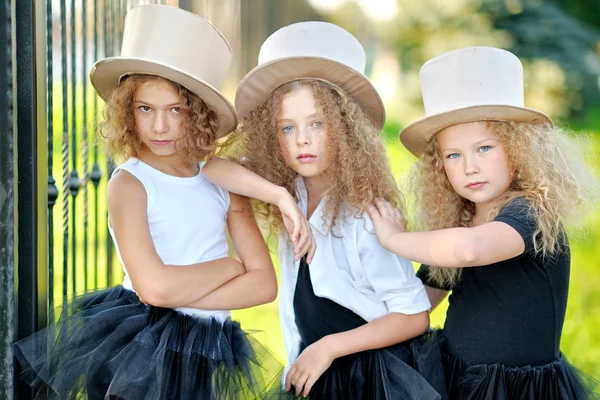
61 246
54 241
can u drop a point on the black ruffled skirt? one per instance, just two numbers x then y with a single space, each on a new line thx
109 345
557 380
390 373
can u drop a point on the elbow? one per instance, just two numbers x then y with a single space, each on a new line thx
154 293
268 289
155 296
269 292
467 253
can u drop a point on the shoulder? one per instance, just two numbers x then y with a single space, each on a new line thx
124 188
519 206
520 213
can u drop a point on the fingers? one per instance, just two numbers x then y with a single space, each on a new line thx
295 378
385 209
297 230
309 384
302 244
299 383
373 211
399 217
312 249
288 379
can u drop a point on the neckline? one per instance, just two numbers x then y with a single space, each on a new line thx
171 178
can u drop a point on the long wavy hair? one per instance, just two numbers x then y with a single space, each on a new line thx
357 169
118 128
548 171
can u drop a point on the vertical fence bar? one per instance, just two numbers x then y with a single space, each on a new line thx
84 141
7 237
96 174
74 181
108 51
65 150
41 154
52 189
27 206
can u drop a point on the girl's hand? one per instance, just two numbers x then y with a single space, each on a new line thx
298 227
309 366
387 220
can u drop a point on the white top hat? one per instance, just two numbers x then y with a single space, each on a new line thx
176 45
467 85
305 50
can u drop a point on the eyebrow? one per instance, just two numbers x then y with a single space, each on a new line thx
150 104
290 120
474 144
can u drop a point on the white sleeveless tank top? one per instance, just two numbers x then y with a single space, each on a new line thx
187 219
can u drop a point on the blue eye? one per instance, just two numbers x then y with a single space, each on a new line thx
317 124
485 149
453 156
287 129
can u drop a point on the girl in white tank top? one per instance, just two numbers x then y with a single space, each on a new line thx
166 333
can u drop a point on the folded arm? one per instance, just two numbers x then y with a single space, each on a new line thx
158 284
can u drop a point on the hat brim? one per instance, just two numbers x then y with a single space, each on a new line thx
106 74
417 135
257 85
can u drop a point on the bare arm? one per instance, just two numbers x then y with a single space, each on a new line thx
459 247
259 284
454 247
239 180
385 331
236 179
159 284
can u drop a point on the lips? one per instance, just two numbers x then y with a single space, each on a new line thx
161 142
475 185
306 158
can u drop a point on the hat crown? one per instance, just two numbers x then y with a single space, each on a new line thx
171 36
473 76
314 39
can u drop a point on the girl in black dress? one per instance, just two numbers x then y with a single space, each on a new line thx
495 181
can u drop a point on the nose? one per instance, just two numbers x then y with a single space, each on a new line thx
160 124
471 166
303 138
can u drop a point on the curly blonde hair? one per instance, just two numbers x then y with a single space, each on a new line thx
357 169
548 172
119 131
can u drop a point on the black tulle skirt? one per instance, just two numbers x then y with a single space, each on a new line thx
109 345
557 380
385 374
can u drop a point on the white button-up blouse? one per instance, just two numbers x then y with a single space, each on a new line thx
351 269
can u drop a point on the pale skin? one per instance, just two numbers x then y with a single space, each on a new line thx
224 283
476 165
301 136
228 174
237 179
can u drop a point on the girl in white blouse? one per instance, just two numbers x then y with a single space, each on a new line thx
311 123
